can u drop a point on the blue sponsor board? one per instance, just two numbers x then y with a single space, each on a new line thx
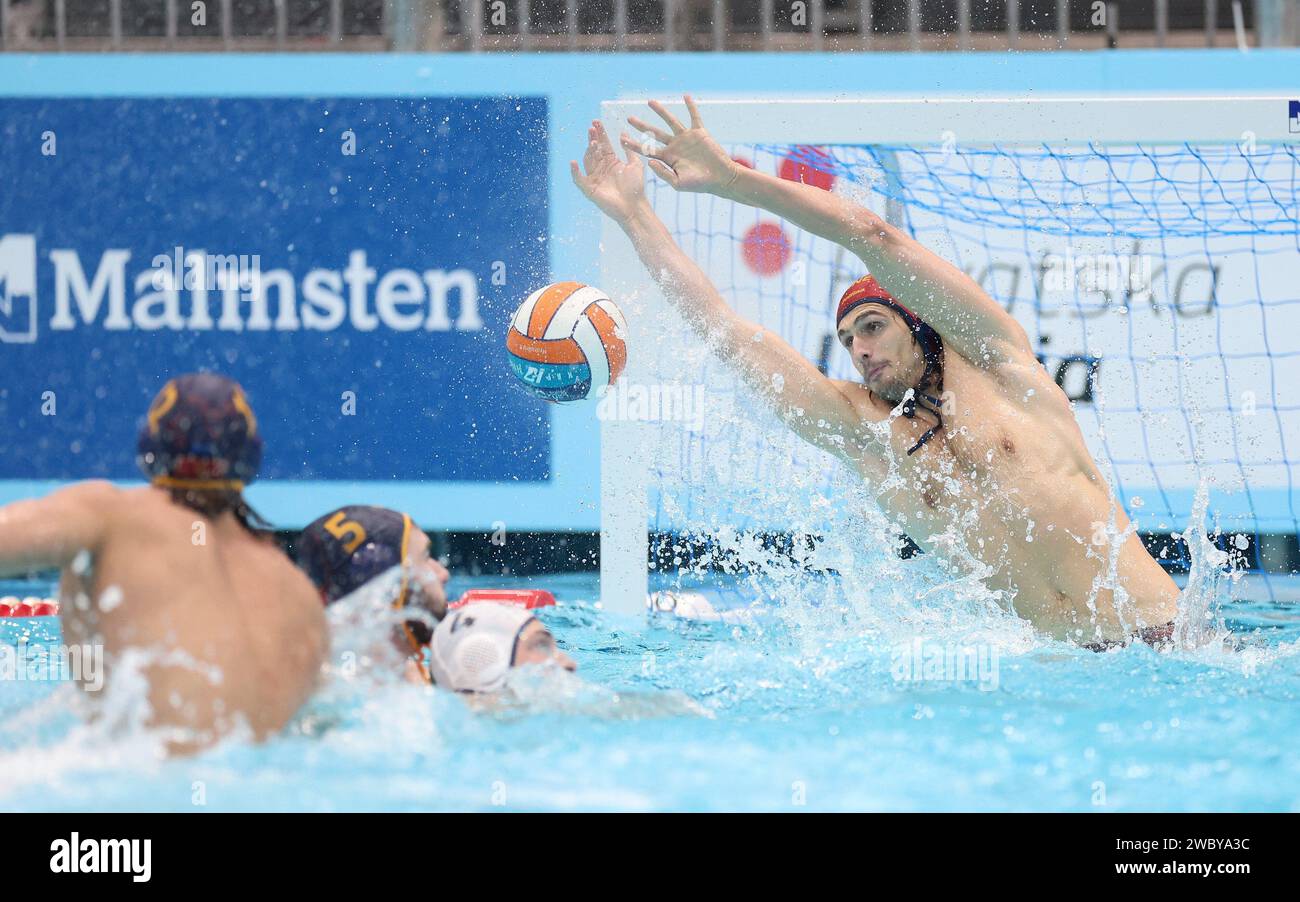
353 262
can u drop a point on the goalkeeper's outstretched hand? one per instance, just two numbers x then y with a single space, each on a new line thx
686 158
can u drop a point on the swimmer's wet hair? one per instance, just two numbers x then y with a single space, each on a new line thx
212 503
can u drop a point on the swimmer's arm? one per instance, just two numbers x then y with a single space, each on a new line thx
48 533
817 409
969 321
814 407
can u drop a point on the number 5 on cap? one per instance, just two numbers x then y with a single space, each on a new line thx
341 528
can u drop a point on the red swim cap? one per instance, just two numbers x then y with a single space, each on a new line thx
867 290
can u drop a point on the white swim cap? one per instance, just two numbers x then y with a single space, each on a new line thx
473 648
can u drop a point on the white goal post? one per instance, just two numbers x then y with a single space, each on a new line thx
969 124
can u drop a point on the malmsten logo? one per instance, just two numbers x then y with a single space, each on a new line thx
159 297
103 856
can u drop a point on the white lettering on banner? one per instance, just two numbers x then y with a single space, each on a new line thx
70 284
400 287
404 300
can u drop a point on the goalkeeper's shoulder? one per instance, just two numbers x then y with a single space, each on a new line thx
865 404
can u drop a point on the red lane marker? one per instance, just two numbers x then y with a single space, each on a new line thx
43 608
529 599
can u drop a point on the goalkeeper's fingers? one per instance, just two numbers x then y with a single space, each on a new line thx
664 172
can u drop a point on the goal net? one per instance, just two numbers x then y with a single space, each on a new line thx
1149 246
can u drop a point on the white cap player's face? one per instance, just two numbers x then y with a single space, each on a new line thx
884 351
536 645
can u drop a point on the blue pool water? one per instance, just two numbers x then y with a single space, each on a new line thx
795 709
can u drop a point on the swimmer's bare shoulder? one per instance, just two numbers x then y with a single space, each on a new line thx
219 563
50 531
228 597
140 570
868 406
840 420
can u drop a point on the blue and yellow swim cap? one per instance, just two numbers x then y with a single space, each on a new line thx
200 433
348 547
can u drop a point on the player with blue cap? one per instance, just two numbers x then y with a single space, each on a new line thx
182 573
343 550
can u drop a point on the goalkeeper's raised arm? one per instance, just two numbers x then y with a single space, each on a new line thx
969 321
825 412
990 461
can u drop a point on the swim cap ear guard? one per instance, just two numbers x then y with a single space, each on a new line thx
473 649
200 433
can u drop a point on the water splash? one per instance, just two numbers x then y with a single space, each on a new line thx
1210 578
367 645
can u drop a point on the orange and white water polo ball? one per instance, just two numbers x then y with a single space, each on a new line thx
567 342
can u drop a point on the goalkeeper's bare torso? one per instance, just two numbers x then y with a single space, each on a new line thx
1007 487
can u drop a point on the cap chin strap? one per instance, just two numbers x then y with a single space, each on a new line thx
418 654
417 650
909 411
175 482
406 542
